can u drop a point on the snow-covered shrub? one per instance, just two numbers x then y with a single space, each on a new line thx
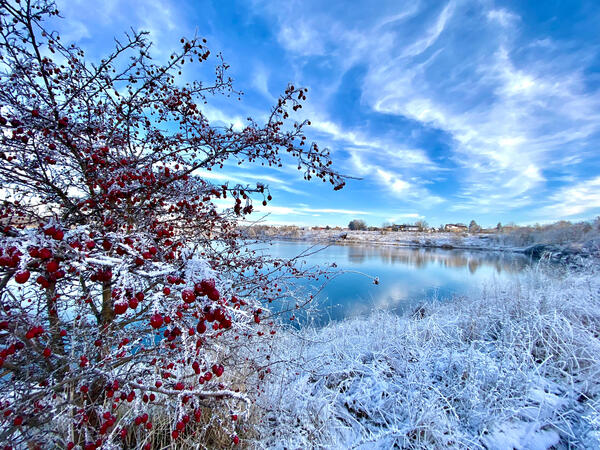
129 307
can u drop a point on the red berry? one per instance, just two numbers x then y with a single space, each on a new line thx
22 277
188 296
156 321
47 352
213 294
42 281
120 308
52 266
17 421
207 285
45 253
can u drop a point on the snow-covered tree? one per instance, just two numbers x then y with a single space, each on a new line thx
126 294
357 224
474 227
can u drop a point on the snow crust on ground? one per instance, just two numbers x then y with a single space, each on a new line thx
516 366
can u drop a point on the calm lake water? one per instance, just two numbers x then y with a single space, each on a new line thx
407 276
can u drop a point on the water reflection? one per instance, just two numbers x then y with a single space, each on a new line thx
407 276
423 257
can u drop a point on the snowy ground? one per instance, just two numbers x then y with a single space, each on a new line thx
515 367
457 240
566 247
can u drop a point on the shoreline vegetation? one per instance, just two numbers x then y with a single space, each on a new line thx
561 241
515 366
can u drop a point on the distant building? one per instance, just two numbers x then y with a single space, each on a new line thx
456 227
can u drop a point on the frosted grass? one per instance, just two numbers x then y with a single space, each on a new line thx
516 365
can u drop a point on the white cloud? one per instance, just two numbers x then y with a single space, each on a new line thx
161 18
338 211
303 210
576 199
216 115
510 122
404 217
394 153
395 183
260 81
300 38
507 141
412 190
432 34
502 16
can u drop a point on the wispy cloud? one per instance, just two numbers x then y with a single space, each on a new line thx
445 109
432 33
512 116
502 16
161 18
580 198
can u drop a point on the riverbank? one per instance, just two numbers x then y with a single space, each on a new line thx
536 246
515 366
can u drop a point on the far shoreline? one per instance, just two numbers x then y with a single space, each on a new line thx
533 246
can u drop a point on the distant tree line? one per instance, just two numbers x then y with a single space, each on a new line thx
557 232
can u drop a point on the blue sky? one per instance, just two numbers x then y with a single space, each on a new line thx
447 110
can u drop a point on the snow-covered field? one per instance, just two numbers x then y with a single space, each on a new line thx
517 366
